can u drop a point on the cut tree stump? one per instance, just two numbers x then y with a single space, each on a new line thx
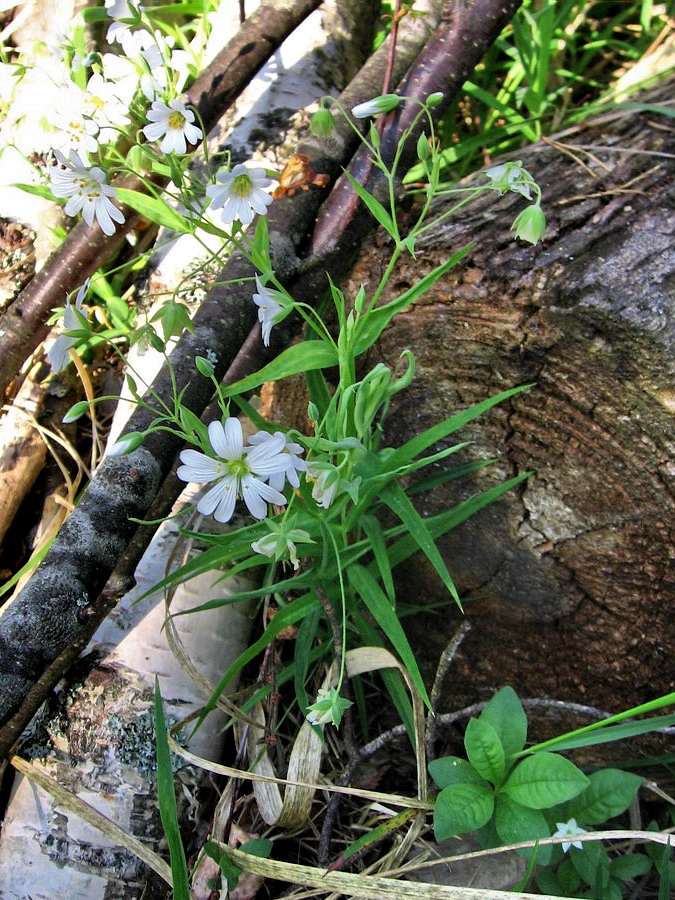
569 581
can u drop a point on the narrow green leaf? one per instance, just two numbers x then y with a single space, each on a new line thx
485 750
665 873
460 808
375 536
287 615
451 518
449 770
39 190
544 780
515 822
374 206
303 645
296 360
412 448
166 798
391 678
609 793
397 501
155 210
507 716
382 611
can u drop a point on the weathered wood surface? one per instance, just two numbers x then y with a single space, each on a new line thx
569 582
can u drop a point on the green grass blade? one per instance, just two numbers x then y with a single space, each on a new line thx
397 501
166 797
383 612
375 536
650 706
296 360
418 444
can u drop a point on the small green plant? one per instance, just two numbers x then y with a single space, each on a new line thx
510 794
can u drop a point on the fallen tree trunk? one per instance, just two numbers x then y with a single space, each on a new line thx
569 583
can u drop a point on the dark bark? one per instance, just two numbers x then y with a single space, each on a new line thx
23 325
569 583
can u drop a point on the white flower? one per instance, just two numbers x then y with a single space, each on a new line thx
107 104
121 9
377 105
510 176
280 543
327 708
291 452
143 63
87 190
76 130
269 309
326 480
59 354
569 828
175 123
240 193
234 472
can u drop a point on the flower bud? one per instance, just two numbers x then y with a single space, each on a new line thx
435 98
423 149
377 105
530 224
322 123
126 444
76 411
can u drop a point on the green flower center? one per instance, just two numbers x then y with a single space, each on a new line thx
241 186
176 120
238 467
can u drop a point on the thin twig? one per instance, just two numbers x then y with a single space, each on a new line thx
444 663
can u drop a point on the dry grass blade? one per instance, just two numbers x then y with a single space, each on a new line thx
372 887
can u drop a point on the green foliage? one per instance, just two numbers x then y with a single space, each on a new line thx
512 795
166 798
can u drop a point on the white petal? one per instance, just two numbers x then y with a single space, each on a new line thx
256 492
217 438
234 438
219 500
198 467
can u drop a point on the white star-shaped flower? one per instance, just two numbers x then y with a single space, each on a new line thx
240 194
174 123
237 471
59 353
87 190
269 309
291 451
566 829
326 480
